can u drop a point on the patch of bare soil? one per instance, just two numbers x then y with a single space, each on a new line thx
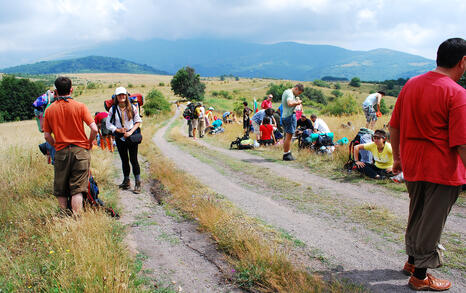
361 255
174 254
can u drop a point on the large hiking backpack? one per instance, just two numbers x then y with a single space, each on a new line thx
134 99
91 197
40 105
243 143
189 112
364 135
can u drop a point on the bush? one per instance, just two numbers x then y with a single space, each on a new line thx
17 96
161 84
92 85
321 83
337 93
344 106
337 86
130 85
355 81
277 90
383 107
155 103
314 95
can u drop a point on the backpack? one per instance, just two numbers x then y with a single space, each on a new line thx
188 113
196 111
243 143
40 105
364 135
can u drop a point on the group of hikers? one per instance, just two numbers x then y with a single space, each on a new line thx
427 134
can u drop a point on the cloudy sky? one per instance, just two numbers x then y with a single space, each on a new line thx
42 28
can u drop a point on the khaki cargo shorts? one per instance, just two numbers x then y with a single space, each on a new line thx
71 171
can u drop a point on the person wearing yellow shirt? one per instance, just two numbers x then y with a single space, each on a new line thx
383 157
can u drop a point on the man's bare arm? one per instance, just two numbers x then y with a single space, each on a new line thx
49 138
395 142
462 152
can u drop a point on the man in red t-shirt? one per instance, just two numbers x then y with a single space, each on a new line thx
428 136
267 103
64 118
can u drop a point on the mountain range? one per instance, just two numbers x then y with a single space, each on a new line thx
286 60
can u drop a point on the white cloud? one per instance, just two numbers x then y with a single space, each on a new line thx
412 26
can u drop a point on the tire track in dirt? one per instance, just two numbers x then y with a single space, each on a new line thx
174 254
377 268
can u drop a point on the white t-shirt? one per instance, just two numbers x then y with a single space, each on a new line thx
321 126
371 100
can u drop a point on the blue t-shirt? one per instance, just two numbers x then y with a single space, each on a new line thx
258 117
217 123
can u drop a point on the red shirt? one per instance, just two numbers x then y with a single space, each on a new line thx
65 121
266 130
266 104
98 118
430 113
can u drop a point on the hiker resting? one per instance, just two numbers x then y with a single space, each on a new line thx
383 157
266 132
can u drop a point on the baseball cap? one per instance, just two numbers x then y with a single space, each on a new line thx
120 90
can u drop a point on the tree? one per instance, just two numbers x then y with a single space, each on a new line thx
314 95
355 81
186 83
17 96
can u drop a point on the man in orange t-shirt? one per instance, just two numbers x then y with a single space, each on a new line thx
428 136
64 118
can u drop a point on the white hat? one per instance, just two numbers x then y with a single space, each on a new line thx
120 90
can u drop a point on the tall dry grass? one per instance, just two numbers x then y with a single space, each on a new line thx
41 250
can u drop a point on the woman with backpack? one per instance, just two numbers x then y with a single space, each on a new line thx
125 122
383 157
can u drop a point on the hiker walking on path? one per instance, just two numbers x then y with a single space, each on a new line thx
368 107
124 121
289 103
64 118
428 135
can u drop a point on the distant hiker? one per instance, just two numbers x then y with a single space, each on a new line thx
299 111
257 120
200 113
368 107
106 137
266 132
319 125
227 118
267 102
64 119
428 135
124 122
382 154
289 103
246 121
189 117
209 116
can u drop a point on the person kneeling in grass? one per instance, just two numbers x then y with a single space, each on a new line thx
383 157
266 132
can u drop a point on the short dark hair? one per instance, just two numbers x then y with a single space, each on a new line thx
63 85
266 120
300 87
269 111
245 103
450 52
382 93
380 132
313 116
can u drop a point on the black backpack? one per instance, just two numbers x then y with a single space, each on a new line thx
360 137
189 112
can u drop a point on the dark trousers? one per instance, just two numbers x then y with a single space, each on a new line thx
190 128
125 148
370 170
429 206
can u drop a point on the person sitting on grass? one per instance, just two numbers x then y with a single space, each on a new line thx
383 157
266 132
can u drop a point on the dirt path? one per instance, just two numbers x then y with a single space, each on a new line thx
174 254
364 255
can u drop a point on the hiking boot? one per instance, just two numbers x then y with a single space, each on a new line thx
429 283
125 184
408 269
137 187
288 157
